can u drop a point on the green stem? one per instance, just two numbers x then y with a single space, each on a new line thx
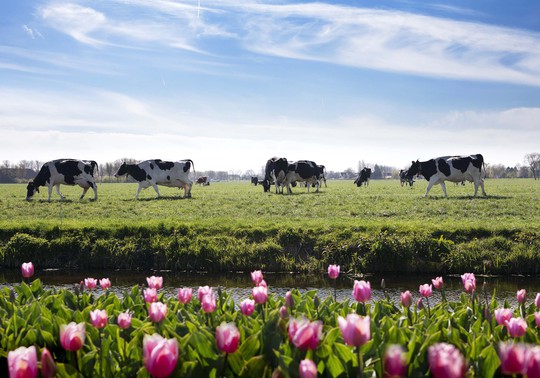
360 363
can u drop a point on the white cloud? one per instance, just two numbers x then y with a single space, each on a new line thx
106 126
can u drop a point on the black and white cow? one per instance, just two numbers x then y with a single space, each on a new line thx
404 179
450 168
322 174
274 173
363 177
303 171
158 172
64 172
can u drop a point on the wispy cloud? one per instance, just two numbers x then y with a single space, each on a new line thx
385 40
31 32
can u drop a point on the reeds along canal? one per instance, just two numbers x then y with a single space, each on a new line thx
239 284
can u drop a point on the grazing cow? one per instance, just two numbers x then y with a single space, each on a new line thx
303 171
64 172
404 179
450 168
363 177
322 174
274 173
157 172
203 181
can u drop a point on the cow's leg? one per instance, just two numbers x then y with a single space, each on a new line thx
430 184
49 188
154 185
57 191
443 186
85 189
138 191
94 188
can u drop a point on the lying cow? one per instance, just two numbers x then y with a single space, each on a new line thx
158 172
274 173
363 177
404 179
450 168
303 171
64 172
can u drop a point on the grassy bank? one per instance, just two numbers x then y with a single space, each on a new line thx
235 226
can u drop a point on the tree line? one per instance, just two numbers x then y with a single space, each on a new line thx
26 170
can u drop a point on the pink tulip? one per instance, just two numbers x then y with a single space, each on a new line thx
208 303
521 296
48 367
425 290
419 304
395 364
512 358
262 283
27 269
362 291
516 327
227 337
537 319
160 355
469 282
406 299
72 336
256 277
157 311
98 318
22 362
437 283
307 369
446 361
502 315
105 283
124 320
537 300
533 362
355 329
203 290
333 271
184 295
90 283
155 282
289 300
260 294
247 306
150 295
305 334
283 312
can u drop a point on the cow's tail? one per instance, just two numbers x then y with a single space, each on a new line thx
192 165
481 158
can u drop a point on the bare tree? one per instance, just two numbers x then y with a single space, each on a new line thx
533 159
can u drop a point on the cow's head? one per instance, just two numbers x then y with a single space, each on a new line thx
31 189
266 185
122 170
415 169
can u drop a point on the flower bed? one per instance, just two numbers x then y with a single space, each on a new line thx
91 331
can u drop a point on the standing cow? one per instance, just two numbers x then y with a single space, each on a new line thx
64 172
158 172
275 171
363 177
450 168
303 171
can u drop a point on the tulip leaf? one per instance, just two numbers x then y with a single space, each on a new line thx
334 365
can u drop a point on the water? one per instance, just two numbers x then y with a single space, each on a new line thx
239 285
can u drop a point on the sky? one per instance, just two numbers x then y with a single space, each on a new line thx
232 83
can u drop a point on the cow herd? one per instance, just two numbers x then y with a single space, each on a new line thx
278 172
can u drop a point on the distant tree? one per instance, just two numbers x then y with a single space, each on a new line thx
377 172
533 159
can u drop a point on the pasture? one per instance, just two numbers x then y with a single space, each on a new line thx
235 226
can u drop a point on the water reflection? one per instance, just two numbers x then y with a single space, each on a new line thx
239 284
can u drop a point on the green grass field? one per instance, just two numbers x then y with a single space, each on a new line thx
234 222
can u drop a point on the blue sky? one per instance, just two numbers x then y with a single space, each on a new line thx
231 83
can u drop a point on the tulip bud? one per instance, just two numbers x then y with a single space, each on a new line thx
445 360
521 296
155 282
157 311
184 295
72 336
395 362
406 299
98 318
48 367
227 337
124 320
362 291
333 271
247 307
355 329
307 369
105 283
160 355
27 270
22 362
90 283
